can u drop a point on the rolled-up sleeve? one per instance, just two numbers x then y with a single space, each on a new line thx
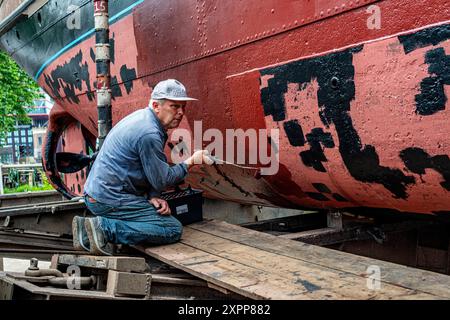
154 162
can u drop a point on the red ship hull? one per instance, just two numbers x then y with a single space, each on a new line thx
362 111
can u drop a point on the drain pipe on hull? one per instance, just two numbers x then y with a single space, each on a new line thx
102 61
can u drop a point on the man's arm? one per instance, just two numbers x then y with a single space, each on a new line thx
154 162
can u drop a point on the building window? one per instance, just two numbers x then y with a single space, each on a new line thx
39 141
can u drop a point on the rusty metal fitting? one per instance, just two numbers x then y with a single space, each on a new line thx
43 273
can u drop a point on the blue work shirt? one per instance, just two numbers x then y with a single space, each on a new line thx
131 165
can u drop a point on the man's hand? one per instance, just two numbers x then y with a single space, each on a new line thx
161 205
199 157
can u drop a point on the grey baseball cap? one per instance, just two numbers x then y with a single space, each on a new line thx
170 89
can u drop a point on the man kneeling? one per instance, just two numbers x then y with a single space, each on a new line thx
130 168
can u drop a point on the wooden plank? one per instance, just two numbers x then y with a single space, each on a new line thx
127 283
6 289
126 264
249 281
246 281
309 233
415 279
328 236
323 282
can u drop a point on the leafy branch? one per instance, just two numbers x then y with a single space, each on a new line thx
17 90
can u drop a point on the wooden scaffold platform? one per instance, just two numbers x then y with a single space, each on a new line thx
262 266
218 260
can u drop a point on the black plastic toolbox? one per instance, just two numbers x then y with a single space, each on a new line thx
186 204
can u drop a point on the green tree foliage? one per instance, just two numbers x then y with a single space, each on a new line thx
17 90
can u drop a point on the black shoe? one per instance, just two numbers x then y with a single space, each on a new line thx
98 243
80 237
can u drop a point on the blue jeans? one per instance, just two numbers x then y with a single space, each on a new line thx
138 224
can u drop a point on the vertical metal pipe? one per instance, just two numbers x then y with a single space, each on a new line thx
102 61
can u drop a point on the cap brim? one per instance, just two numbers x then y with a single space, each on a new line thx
182 99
